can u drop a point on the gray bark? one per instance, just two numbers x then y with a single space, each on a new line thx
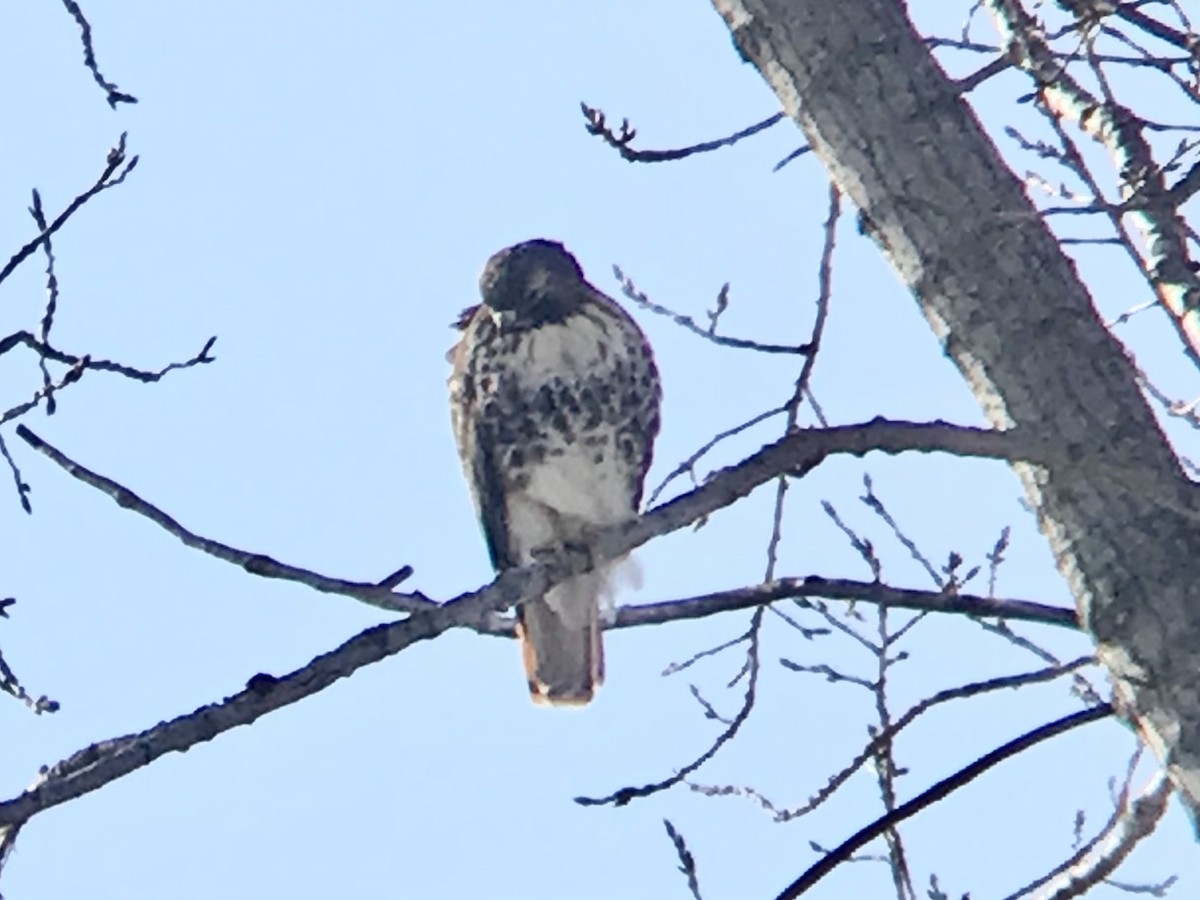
1122 519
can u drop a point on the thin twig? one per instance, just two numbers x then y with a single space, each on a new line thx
675 667
687 862
961 692
22 487
45 393
116 168
45 351
39 218
630 290
622 796
112 93
621 140
688 466
824 293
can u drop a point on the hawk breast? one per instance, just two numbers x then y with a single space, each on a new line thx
567 410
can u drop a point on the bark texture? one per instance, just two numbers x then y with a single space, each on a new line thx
1011 312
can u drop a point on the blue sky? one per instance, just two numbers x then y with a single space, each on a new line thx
320 189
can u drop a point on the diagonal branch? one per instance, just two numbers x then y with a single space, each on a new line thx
117 167
97 765
942 789
254 563
113 94
795 454
888 734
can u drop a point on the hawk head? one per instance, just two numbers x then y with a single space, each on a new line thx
532 283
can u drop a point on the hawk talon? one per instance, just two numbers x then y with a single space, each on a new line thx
577 555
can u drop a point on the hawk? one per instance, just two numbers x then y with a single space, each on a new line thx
554 401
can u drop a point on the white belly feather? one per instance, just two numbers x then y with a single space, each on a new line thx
578 483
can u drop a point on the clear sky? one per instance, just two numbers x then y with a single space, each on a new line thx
320 189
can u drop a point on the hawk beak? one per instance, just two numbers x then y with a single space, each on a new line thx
502 318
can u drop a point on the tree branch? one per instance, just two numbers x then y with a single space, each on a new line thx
888 734
704 605
597 125
45 351
797 453
942 789
112 93
374 594
116 168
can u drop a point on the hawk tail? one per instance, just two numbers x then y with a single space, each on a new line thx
561 641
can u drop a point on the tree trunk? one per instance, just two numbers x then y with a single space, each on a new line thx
1005 301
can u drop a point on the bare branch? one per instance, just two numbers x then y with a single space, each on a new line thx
688 466
254 563
620 142
46 392
97 765
116 168
630 290
45 351
1160 30
889 734
873 503
676 667
939 791
831 674
12 686
1135 821
39 218
800 451
625 794
22 487
862 547
824 292
112 94
794 155
687 862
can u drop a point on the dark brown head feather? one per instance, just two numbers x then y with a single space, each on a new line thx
535 281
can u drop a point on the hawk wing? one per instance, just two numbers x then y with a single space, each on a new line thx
476 441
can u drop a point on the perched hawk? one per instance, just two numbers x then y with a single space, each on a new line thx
554 399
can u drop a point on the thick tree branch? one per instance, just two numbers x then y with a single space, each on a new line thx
795 454
799 452
1013 316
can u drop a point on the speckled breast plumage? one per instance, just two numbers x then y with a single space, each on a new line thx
577 400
